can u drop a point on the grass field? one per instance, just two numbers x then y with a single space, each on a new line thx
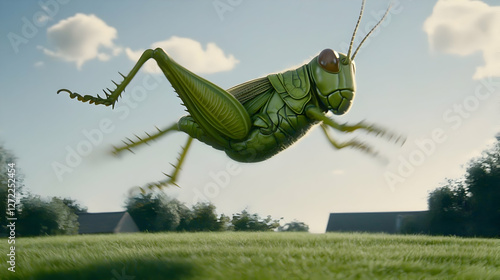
233 255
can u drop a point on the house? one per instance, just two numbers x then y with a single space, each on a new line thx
110 222
388 222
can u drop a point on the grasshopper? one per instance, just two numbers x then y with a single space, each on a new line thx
255 120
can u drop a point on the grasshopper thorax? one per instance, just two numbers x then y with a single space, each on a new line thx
333 75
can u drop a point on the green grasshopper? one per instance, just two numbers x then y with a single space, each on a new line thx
257 119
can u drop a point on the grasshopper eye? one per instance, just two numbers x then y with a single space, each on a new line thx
329 61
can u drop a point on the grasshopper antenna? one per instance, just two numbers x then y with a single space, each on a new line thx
375 27
356 29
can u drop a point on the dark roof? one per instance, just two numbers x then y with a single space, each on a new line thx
368 221
110 222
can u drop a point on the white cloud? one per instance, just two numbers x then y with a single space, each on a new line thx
38 64
464 27
81 38
190 54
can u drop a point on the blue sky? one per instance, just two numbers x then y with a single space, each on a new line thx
430 72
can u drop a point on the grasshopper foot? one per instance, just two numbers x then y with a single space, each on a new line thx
171 179
89 98
150 187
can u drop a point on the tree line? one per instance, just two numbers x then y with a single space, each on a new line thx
158 212
466 206
151 212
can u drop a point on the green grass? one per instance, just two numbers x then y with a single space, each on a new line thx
232 255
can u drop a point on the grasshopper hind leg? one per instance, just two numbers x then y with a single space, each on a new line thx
215 110
188 125
218 112
130 144
172 178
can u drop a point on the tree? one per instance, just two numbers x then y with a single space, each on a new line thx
185 216
74 205
469 206
483 181
294 226
66 218
149 212
225 223
245 221
158 212
449 211
45 217
36 216
205 218
168 218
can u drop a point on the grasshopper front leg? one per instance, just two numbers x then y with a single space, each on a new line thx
351 143
315 113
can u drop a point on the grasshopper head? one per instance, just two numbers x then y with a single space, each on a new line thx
333 74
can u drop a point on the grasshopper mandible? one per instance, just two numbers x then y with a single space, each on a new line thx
255 120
